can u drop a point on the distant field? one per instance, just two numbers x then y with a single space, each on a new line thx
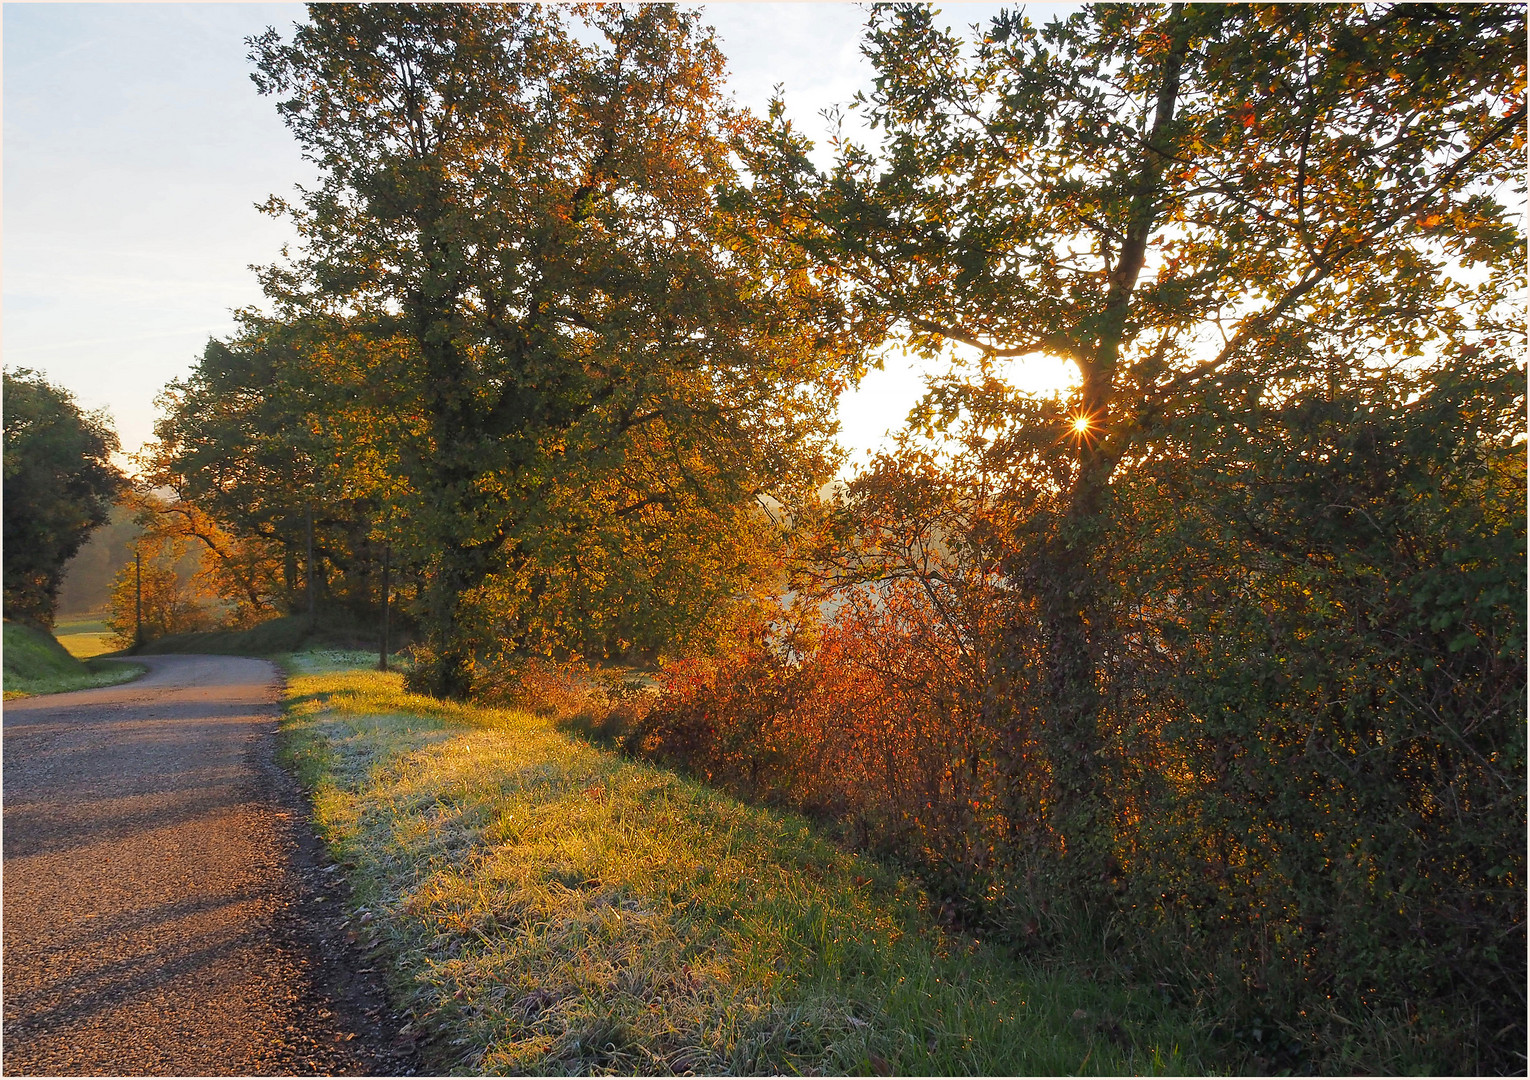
85 636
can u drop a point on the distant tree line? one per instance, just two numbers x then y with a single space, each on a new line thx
87 582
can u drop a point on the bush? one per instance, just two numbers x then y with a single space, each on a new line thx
1337 815
878 724
537 685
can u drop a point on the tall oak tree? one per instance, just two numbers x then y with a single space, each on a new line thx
598 379
1182 201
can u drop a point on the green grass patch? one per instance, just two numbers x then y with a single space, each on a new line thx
542 905
80 624
274 637
35 663
270 638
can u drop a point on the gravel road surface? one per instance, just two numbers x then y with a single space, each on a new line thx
166 909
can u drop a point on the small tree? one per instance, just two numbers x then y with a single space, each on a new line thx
171 602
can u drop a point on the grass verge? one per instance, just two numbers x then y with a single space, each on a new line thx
35 663
274 637
545 906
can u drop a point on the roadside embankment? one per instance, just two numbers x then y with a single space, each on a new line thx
35 663
541 905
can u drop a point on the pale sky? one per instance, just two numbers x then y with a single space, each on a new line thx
135 149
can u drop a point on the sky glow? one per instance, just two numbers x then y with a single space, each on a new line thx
136 149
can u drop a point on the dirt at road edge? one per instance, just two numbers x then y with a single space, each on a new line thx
343 977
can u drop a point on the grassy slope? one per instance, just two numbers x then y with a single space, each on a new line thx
35 663
275 637
266 639
545 906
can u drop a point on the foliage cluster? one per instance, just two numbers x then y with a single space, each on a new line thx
1237 629
239 447
877 723
185 573
60 484
523 346
153 593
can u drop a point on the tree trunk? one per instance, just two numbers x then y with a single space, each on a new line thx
445 480
1074 564
1073 623
290 575
449 672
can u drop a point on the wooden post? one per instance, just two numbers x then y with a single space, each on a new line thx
311 614
137 596
382 657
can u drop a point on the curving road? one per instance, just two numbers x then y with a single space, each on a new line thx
166 910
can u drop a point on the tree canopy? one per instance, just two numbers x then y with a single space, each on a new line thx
60 484
1197 206
578 394
1243 606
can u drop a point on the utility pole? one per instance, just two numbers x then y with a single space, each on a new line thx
311 617
382 657
137 596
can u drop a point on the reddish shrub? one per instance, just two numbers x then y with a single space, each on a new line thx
880 725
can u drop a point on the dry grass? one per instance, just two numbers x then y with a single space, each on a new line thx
546 906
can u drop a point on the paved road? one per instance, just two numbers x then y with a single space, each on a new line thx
165 907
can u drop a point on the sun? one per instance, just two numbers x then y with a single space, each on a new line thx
1080 424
